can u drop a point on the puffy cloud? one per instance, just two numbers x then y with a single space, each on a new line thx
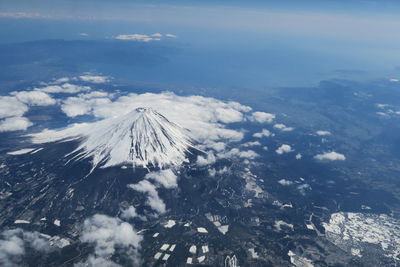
137 37
64 88
263 133
144 37
262 117
166 178
128 213
228 115
212 172
298 156
383 114
330 156
34 98
94 94
234 152
108 233
249 144
323 133
217 146
62 80
94 78
203 161
14 124
93 261
382 106
75 106
283 149
153 200
285 182
248 154
11 107
283 127
13 244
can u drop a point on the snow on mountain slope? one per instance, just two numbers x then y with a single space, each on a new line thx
142 137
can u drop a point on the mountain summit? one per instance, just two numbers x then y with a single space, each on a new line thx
142 137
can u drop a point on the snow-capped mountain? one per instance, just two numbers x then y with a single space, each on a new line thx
142 137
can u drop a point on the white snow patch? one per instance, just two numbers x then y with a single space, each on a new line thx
202 230
201 259
170 224
157 255
193 249
21 222
164 247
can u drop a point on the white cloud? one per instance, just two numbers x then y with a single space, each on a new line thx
13 244
153 200
323 133
248 154
203 161
234 152
144 37
67 88
212 172
11 107
283 149
249 144
382 106
137 37
330 156
217 146
263 133
298 156
262 117
283 127
84 34
303 188
108 233
62 80
19 15
285 182
383 114
128 213
34 98
93 261
14 124
94 78
166 178
94 94
75 106
228 115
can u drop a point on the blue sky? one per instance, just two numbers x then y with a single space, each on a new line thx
290 41
355 21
